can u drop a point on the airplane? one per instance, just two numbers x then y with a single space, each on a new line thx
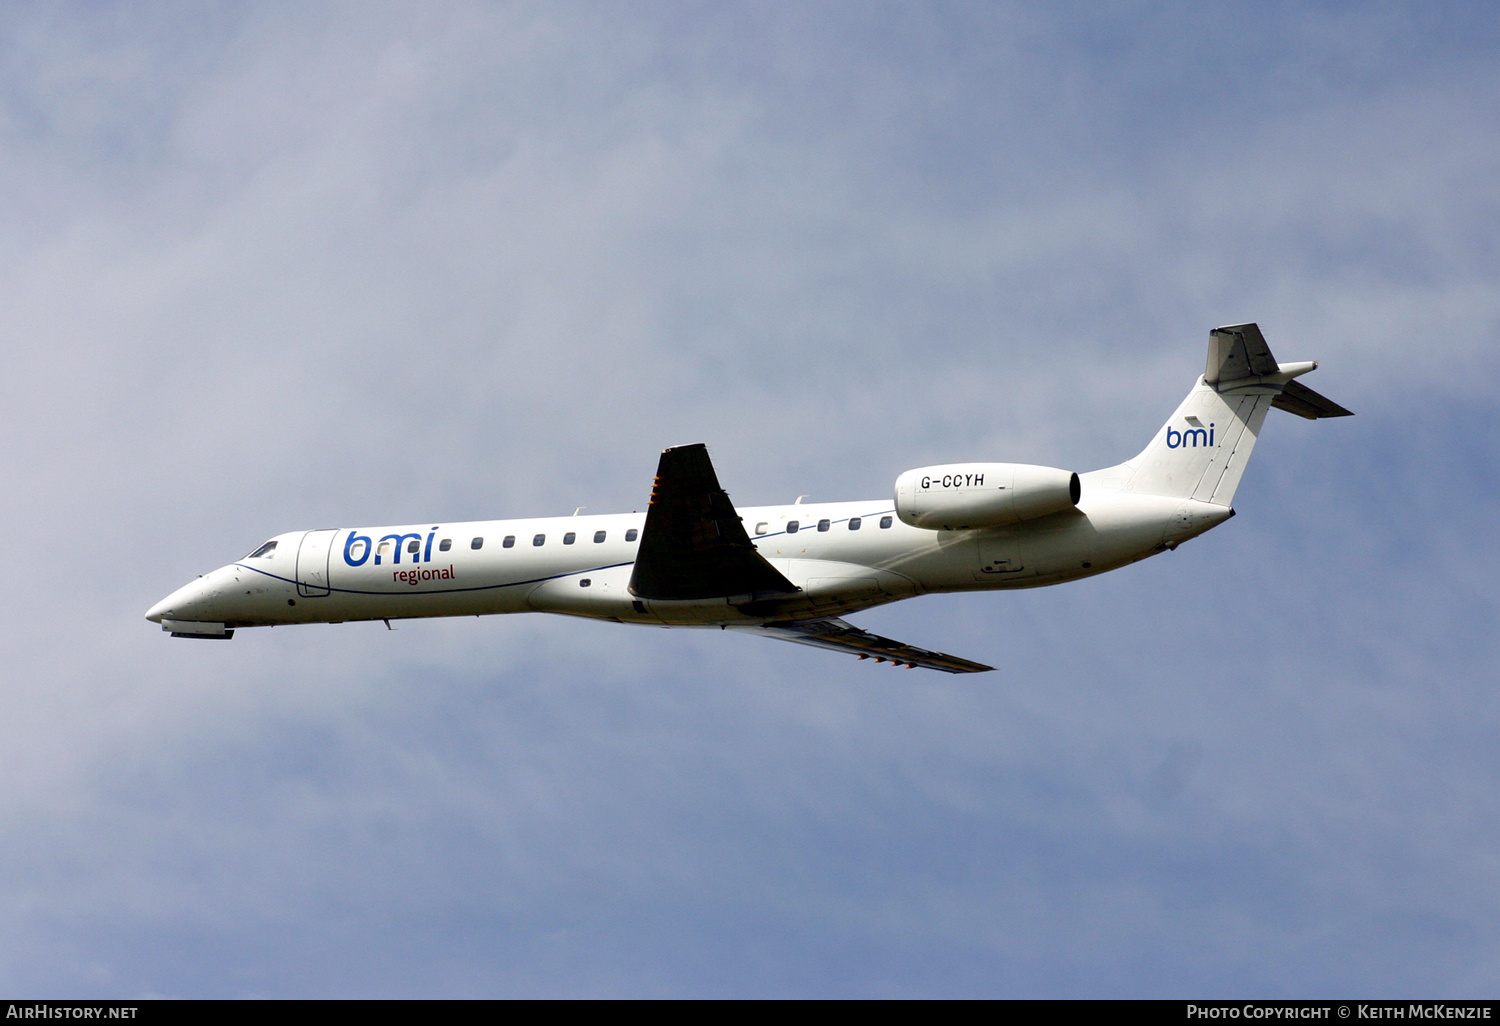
793 572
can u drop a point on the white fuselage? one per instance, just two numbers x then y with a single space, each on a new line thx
953 527
844 557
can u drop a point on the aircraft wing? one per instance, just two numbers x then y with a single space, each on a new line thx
839 636
693 545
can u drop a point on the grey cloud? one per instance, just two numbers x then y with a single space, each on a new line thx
278 267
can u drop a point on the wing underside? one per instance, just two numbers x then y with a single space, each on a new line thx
840 636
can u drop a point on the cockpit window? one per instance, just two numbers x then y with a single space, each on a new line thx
264 552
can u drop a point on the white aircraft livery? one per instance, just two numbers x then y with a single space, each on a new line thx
789 572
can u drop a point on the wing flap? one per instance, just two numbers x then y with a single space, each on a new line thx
840 636
693 545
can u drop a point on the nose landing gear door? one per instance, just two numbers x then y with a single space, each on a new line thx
312 563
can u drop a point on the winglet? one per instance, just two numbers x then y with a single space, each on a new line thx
693 545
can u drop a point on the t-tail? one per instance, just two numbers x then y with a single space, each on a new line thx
1201 451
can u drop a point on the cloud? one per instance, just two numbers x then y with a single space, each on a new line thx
279 266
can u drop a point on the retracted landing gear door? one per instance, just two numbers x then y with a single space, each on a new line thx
312 563
999 554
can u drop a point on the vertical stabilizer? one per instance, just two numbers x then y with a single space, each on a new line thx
1201 451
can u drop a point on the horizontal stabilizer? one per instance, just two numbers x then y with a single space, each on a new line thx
839 636
1304 402
1237 351
693 545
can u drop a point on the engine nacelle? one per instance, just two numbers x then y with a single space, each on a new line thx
962 495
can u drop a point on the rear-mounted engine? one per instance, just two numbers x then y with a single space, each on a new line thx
964 495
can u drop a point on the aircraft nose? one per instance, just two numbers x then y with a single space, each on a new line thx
188 602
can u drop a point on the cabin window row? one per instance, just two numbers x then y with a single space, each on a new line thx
793 526
509 541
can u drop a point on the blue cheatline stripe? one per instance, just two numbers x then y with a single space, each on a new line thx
438 591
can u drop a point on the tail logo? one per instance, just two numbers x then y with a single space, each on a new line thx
1190 438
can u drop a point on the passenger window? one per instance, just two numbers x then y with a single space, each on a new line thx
793 527
509 542
383 550
630 535
885 522
445 544
823 525
760 528
413 546
264 552
854 523
570 538
598 537
540 539
477 543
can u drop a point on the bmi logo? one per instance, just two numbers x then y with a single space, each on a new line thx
1190 437
411 542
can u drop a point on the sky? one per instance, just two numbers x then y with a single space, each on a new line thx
275 266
